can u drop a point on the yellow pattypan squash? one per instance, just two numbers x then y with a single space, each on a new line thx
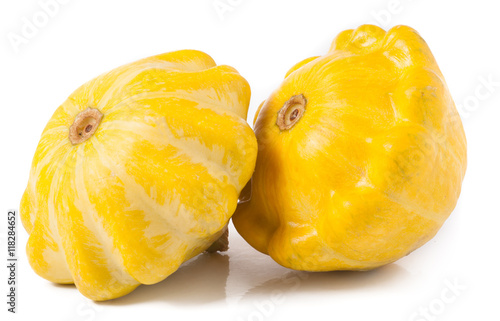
137 171
361 156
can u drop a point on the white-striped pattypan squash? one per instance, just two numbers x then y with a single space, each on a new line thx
136 172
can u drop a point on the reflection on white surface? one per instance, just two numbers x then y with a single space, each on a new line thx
243 284
253 275
201 280
242 275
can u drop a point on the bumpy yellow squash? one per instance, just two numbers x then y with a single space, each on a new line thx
361 156
137 171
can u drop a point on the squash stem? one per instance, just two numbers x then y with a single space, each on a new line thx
291 112
85 125
222 244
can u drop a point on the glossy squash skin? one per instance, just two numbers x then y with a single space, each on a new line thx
125 197
367 162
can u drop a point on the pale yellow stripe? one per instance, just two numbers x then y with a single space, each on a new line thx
136 191
93 223
419 211
47 159
127 76
193 149
53 223
177 94
63 129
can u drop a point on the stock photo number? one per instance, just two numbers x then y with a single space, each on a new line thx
11 262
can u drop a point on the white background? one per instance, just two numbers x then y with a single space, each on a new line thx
262 39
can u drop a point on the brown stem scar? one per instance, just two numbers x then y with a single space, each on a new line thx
291 112
85 125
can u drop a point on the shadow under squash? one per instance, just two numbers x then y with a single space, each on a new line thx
201 280
300 281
